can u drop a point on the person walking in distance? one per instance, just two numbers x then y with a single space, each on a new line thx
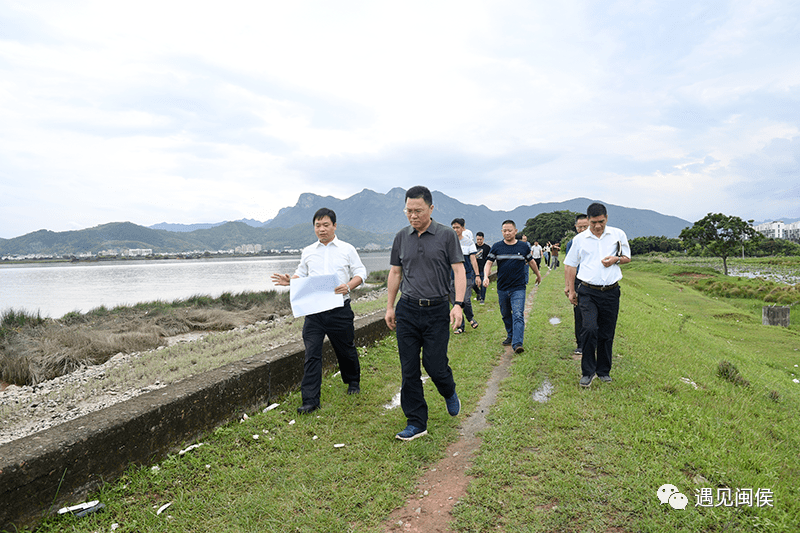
581 225
513 257
481 255
470 251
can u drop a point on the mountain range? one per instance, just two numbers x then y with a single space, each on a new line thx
366 219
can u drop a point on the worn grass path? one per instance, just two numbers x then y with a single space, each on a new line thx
587 460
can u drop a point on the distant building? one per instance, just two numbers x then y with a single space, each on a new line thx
792 231
771 230
138 252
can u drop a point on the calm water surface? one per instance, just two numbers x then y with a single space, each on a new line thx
57 289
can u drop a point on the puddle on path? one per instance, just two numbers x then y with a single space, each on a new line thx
542 394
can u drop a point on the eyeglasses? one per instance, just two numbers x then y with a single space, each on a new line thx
411 212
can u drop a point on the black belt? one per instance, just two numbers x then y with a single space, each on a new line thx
426 302
601 287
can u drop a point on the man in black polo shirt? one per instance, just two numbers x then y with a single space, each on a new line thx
423 255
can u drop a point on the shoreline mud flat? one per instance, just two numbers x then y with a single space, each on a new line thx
25 410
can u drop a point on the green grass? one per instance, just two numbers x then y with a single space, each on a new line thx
586 460
592 460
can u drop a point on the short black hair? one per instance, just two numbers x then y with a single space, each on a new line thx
323 212
460 222
419 191
596 210
480 234
509 222
580 217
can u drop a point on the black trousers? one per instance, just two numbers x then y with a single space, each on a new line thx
425 330
576 311
337 324
599 310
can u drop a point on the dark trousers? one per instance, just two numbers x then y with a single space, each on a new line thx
337 324
425 330
576 311
480 290
599 310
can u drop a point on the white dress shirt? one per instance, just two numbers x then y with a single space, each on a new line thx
337 257
587 251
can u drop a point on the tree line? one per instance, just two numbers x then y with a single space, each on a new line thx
716 234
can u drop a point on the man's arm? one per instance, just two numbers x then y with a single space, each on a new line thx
569 283
614 259
357 271
283 279
535 269
487 269
474 262
393 286
345 288
460 277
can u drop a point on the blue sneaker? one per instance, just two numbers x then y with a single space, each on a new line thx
411 433
453 404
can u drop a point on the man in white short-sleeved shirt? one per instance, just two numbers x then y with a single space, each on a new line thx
598 252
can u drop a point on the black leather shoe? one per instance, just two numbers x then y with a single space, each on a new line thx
353 388
307 408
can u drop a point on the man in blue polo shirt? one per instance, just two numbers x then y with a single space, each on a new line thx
513 258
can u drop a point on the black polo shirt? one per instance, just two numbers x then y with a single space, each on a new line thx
426 260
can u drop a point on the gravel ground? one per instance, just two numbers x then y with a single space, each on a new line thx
29 409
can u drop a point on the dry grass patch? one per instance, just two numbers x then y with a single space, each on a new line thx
40 350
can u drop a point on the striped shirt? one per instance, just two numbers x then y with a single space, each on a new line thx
512 264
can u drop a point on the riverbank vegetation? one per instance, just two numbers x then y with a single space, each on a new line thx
704 398
33 349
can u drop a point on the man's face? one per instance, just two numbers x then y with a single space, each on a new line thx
582 225
459 229
479 240
598 225
418 213
325 229
509 233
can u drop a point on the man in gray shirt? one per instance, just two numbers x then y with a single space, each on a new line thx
423 255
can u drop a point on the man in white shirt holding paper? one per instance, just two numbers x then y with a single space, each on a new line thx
329 255
598 252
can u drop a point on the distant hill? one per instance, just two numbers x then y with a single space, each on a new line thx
366 219
381 213
185 228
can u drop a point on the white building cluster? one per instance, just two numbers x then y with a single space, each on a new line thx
779 230
248 249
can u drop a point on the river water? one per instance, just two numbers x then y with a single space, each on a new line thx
54 289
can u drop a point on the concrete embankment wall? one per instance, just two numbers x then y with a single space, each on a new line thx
61 465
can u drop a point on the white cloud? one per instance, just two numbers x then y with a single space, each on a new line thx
203 111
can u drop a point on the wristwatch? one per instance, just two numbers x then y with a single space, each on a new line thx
462 304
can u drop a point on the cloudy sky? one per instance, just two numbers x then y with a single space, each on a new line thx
201 111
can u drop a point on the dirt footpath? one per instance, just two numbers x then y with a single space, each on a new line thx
428 509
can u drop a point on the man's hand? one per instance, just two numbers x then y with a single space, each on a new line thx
342 289
573 297
610 260
281 279
456 317
486 281
390 319
538 278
